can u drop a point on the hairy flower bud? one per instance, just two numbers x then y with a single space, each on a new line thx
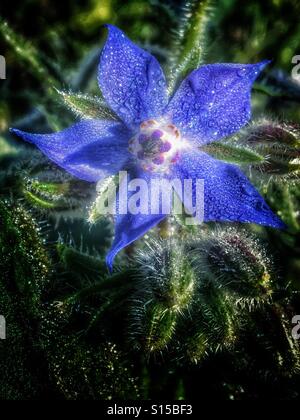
235 261
164 292
50 190
216 321
279 146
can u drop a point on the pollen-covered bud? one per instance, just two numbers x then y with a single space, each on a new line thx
164 292
156 146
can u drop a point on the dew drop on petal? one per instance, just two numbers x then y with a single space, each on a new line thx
242 72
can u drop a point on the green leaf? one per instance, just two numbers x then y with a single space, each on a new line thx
51 190
105 193
85 106
7 150
81 264
24 265
27 54
190 40
233 154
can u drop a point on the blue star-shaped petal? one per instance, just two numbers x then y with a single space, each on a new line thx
211 103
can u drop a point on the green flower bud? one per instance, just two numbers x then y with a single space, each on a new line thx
164 292
237 262
216 322
279 146
51 190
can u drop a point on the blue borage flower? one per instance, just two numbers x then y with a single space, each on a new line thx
159 136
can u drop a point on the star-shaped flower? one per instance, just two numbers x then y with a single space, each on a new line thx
159 136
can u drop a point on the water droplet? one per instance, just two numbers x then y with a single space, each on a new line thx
248 189
185 106
132 101
219 85
122 109
242 72
260 205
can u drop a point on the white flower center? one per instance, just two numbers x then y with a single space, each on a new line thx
156 146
